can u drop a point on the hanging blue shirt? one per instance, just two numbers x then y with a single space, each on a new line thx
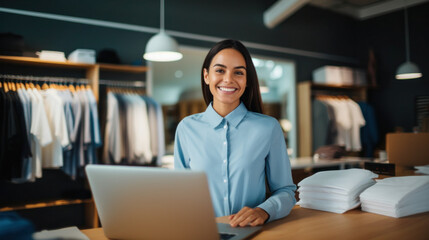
238 153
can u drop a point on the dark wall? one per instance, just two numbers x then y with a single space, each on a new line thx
393 99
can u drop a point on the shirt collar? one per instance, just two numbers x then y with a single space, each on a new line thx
233 118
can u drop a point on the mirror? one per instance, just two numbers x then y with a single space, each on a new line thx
177 87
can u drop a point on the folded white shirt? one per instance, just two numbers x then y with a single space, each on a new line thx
396 212
329 207
393 190
348 180
423 169
397 196
329 203
332 194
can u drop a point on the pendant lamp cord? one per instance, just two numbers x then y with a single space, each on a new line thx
407 39
162 16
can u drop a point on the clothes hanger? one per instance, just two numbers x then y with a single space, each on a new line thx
6 87
45 86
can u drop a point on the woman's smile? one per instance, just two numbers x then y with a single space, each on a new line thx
227 90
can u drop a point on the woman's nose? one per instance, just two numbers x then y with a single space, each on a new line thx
227 77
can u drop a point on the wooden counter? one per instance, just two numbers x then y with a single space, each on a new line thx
313 224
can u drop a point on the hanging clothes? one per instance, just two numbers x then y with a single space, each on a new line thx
134 132
46 129
15 146
369 132
53 152
337 120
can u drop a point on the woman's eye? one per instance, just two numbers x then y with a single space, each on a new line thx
219 70
239 73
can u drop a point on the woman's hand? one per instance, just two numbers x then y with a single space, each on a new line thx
248 216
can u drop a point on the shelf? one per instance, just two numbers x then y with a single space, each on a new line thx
103 66
92 70
334 86
55 203
37 61
124 68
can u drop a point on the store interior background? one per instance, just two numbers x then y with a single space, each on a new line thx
311 28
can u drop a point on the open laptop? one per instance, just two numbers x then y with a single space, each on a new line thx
153 203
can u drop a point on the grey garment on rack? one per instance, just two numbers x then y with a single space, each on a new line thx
25 150
83 127
25 101
159 129
94 118
112 136
89 148
320 123
123 126
152 117
90 154
27 173
70 123
76 137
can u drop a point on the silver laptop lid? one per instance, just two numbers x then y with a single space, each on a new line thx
152 203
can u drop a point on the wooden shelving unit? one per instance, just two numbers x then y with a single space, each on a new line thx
306 91
92 73
52 203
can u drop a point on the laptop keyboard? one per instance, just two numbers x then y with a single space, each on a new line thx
225 236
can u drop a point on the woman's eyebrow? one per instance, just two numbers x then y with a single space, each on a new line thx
221 65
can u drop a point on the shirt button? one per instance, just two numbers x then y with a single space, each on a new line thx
224 126
224 143
224 180
224 161
224 198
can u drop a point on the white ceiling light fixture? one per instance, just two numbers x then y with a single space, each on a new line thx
162 47
407 70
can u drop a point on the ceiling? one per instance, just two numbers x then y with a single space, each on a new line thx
359 9
363 9
342 3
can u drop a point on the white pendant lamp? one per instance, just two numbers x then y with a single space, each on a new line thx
407 70
161 47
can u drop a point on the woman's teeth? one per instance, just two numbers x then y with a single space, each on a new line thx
227 89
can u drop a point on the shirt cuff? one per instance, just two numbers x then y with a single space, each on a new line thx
268 208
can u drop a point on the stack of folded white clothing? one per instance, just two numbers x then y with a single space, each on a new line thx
423 169
334 191
397 196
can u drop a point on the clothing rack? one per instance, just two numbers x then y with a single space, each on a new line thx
123 84
44 79
354 95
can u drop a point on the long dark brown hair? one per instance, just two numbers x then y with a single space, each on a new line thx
251 96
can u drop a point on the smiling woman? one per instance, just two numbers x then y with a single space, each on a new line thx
232 65
240 149
226 78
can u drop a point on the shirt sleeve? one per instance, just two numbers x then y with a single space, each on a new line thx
181 159
279 177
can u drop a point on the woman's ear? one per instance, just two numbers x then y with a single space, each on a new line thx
206 76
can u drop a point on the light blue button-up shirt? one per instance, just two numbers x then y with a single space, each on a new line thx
237 153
